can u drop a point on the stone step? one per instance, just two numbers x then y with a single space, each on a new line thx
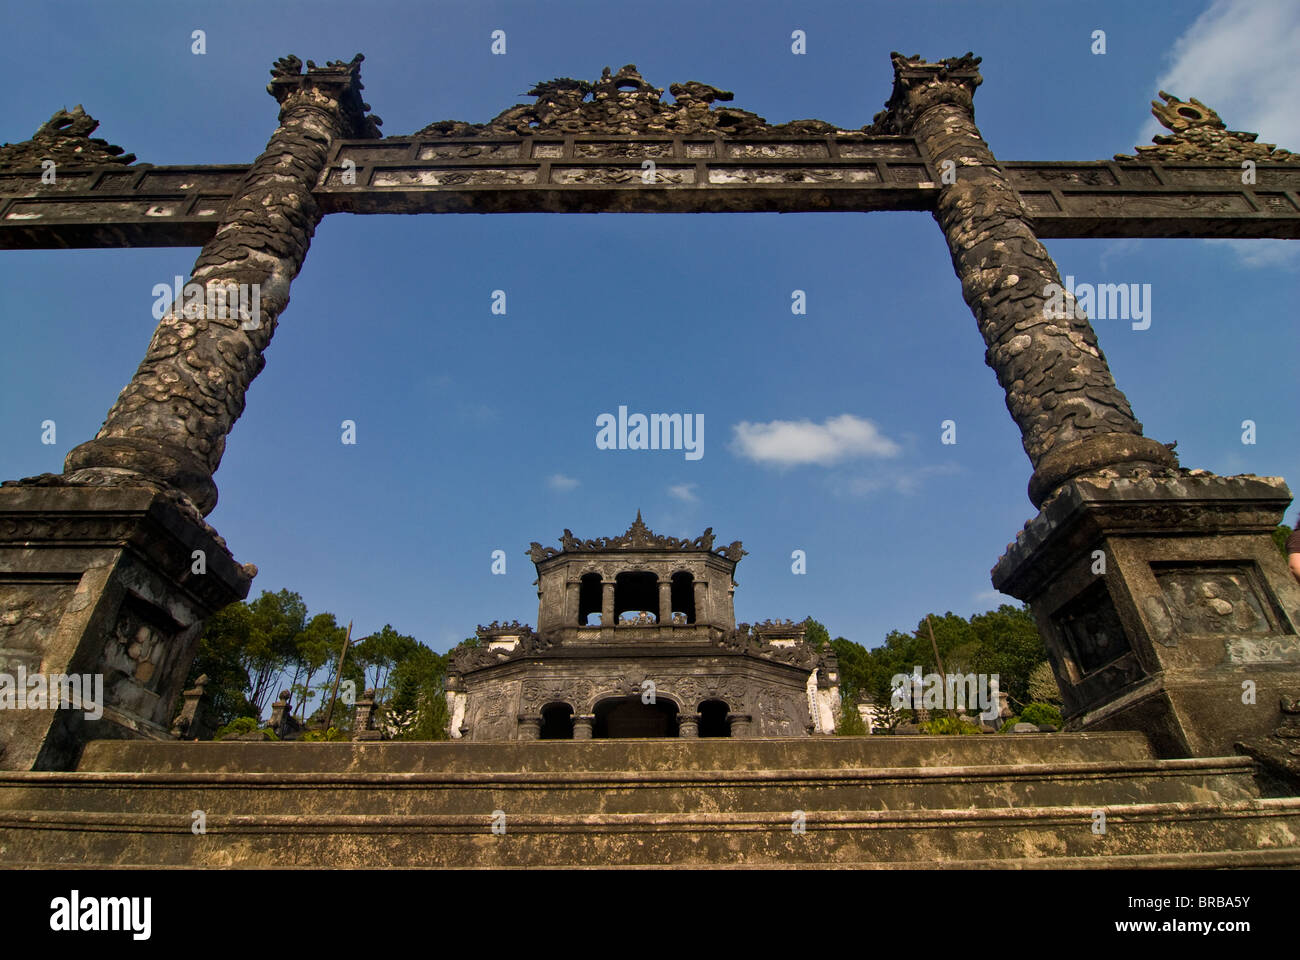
1224 833
593 755
634 791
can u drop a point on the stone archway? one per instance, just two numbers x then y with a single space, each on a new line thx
557 722
713 719
624 717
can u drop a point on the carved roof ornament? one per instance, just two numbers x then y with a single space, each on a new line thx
344 75
624 104
918 84
66 139
1199 134
637 537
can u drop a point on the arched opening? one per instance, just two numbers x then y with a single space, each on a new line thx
713 719
622 717
589 598
683 595
637 593
557 722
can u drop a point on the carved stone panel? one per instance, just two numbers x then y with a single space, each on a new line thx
1212 599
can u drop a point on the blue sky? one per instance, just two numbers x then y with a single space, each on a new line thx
477 432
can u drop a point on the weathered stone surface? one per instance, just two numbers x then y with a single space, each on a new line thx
1161 601
1199 135
1001 801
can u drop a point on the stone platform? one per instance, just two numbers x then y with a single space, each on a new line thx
993 801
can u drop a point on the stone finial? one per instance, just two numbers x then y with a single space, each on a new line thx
191 723
919 85
338 79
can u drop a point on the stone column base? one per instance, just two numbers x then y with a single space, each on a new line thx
1164 604
688 725
102 582
582 725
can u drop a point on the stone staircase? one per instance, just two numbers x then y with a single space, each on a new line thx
991 801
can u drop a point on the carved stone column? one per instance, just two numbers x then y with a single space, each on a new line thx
665 602
170 422
607 603
530 727
582 725
190 723
688 725
740 724
1059 389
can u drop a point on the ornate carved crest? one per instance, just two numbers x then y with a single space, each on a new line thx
66 139
1200 134
637 537
624 104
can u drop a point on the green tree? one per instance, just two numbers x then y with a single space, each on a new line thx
379 654
418 705
220 658
1280 537
320 640
275 622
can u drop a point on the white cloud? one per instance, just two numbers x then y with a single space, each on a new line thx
1238 57
558 481
684 491
793 442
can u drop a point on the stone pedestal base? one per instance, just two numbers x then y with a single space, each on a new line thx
1165 606
110 584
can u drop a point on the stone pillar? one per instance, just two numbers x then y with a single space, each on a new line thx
665 602
582 725
170 422
530 727
1059 389
607 603
702 612
108 583
740 724
688 725
363 727
190 722
282 720
1163 602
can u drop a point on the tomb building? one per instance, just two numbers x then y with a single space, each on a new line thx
637 637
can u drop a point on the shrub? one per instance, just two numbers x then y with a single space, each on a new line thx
322 736
242 725
1041 714
949 726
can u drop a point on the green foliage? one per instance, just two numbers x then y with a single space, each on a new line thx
1009 725
242 725
1280 537
322 736
855 668
419 705
815 633
850 723
379 655
220 658
949 726
1042 686
1041 714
